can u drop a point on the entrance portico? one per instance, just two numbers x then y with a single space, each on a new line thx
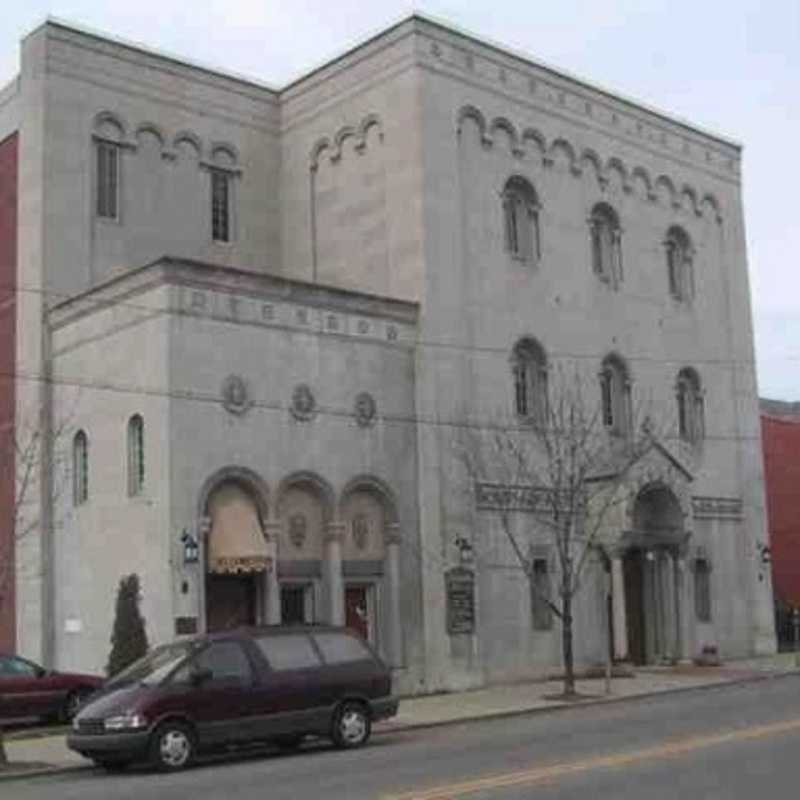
650 593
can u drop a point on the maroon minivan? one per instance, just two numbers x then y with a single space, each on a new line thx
275 684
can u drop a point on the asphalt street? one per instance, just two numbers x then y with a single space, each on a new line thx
727 742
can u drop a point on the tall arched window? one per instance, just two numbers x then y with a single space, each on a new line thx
615 395
605 235
680 274
135 455
691 416
80 468
109 136
521 217
529 365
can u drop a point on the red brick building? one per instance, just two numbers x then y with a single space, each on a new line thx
780 430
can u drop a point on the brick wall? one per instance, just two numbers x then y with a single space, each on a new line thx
8 281
781 440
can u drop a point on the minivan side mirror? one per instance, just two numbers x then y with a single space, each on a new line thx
201 676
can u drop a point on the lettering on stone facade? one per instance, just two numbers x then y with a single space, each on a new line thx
363 326
332 322
716 507
301 315
198 301
505 497
391 332
460 596
267 312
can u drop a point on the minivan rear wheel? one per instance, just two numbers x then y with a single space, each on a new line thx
351 725
172 746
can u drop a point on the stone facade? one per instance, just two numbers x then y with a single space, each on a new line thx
316 355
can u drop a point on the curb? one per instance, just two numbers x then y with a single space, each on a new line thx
40 772
523 712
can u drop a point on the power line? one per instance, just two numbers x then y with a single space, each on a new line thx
191 395
108 304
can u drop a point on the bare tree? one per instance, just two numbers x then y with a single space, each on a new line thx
564 466
31 463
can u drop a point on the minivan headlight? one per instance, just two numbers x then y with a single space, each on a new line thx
124 722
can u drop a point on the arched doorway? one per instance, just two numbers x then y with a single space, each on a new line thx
237 556
650 575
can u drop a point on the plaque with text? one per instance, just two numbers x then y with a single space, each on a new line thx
460 589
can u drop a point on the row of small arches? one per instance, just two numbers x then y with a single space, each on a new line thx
334 145
113 127
662 185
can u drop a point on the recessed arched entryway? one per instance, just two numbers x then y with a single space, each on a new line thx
651 577
236 554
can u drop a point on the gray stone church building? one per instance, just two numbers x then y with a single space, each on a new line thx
250 323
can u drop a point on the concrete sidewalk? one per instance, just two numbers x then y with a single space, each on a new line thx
38 754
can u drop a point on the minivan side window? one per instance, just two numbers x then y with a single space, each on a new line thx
288 652
226 660
338 648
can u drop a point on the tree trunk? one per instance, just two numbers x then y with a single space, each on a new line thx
3 756
566 645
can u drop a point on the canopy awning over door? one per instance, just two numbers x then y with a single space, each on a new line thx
236 542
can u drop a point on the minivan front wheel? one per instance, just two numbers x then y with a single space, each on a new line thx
351 725
172 746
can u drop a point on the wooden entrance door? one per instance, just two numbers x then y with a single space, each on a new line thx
230 601
633 571
356 610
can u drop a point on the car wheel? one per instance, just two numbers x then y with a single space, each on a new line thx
72 702
351 725
172 746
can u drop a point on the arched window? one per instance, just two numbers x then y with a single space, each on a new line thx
615 395
680 274
529 364
605 240
80 468
222 169
691 416
135 455
109 135
521 216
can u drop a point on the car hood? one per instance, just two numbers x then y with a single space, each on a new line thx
78 677
115 700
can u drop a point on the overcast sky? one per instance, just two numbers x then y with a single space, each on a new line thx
733 67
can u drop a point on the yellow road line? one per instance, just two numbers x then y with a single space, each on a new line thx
668 749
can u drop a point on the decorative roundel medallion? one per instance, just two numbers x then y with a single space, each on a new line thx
365 409
304 405
235 394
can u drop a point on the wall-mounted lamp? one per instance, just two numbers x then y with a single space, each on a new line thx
466 553
191 549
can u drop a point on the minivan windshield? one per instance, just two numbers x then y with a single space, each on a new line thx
155 666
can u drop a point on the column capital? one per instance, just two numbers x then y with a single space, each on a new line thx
334 532
392 533
272 530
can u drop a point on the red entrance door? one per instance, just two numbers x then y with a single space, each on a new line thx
356 612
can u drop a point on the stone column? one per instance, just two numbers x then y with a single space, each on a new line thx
332 573
650 610
272 588
682 611
619 610
671 612
393 614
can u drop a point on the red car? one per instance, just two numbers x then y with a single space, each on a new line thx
28 690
